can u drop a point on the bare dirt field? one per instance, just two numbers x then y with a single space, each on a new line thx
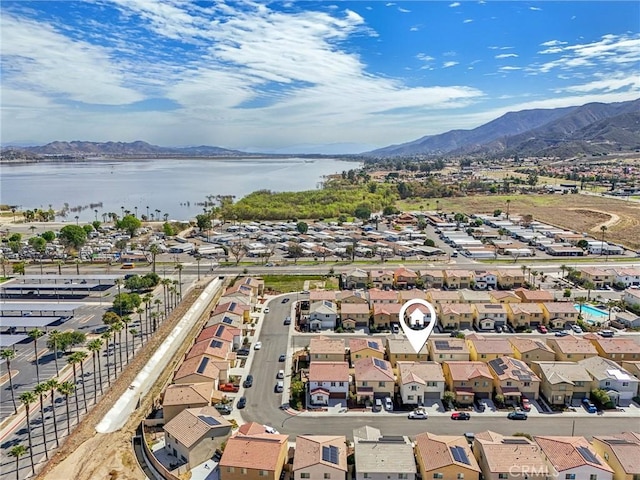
580 213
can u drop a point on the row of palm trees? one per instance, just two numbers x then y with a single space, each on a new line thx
532 275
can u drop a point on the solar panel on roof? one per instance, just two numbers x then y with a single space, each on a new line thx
515 441
379 363
219 330
233 306
588 455
497 365
330 454
618 441
227 320
203 365
459 455
373 345
215 344
209 420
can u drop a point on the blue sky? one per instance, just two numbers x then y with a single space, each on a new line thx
334 75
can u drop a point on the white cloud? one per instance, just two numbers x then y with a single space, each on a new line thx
403 10
449 64
506 55
552 43
606 84
424 57
414 29
535 9
454 4
390 4
468 20
509 68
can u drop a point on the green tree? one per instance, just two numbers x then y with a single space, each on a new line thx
302 227
126 302
96 225
73 236
363 212
583 244
94 347
15 237
18 268
497 212
40 390
39 244
8 354
88 228
203 221
567 293
27 398
16 452
295 251
168 229
429 242
74 359
129 223
154 250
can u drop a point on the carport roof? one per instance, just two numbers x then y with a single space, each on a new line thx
27 322
39 307
11 340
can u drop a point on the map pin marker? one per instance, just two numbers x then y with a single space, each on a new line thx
419 324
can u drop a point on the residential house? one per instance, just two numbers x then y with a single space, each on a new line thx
178 397
474 296
321 295
380 458
456 316
598 276
573 457
400 350
524 315
616 349
563 383
534 296
484 349
222 331
420 381
433 279
559 314
199 370
531 350
406 295
457 279
503 457
626 276
632 297
621 452
355 315
504 296
608 375
236 311
213 348
239 293
259 456
510 278
628 319
439 297
356 278
488 316
382 279
385 315
571 348
373 379
486 279
633 368
358 297
194 434
404 278
320 457
255 284
323 315
377 296
513 379
448 350
328 383
326 349
445 457
468 380
365 348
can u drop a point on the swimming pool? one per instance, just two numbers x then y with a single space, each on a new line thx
593 314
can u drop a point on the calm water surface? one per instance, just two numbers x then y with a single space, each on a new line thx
173 186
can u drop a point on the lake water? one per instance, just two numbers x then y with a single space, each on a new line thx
173 186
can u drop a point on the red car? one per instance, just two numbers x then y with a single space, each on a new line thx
460 416
542 329
229 387
526 405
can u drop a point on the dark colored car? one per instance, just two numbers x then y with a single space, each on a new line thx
242 402
248 381
517 416
243 352
282 358
285 300
287 321
460 416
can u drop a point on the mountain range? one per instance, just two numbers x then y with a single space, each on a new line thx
594 128
559 132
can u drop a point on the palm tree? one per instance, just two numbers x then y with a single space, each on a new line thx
51 385
133 333
154 317
17 451
157 303
106 336
179 268
125 322
117 328
140 311
94 347
35 334
27 398
603 229
40 390
508 205
66 389
589 286
73 360
54 339
581 301
147 299
8 354
154 250
532 277
119 282
563 268
165 285
82 356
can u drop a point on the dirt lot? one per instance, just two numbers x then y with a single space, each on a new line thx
87 455
581 213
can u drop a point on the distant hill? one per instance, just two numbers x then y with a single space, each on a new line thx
591 128
138 148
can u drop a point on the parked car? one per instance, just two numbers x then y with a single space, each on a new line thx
280 374
280 386
257 346
589 407
242 402
229 387
499 329
517 416
282 357
266 310
388 404
224 408
562 334
576 328
287 321
418 414
377 405
460 416
526 405
481 406
248 382
542 329
243 352
606 333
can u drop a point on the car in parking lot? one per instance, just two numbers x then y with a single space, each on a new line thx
460 416
248 382
242 402
517 416
257 346
418 414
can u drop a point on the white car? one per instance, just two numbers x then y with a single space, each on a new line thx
418 414
270 429
266 310
280 374
576 328
257 346
388 404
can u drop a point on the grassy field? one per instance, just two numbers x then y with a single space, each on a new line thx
580 213
293 283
